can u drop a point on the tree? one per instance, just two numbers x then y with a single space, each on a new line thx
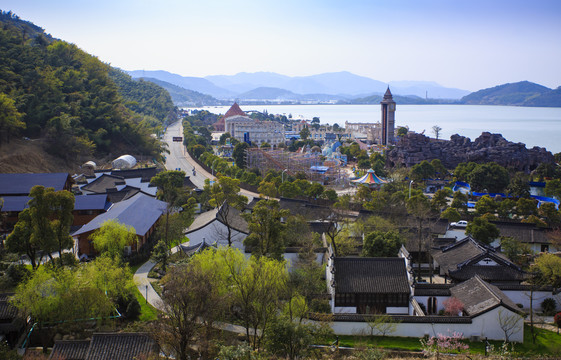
515 250
453 306
557 321
482 230
170 185
239 154
192 292
485 205
45 225
506 208
225 196
267 189
419 207
550 214
548 268
440 199
459 202
451 214
462 171
59 295
490 177
330 195
10 119
436 131
423 170
197 150
519 185
402 131
439 169
315 190
224 137
382 244
553 188
255 287
266 236
304 133
382 324
526 207
112 237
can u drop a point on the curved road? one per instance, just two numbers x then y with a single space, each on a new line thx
179 158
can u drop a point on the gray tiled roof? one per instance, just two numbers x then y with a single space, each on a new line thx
81 202
21 184
524 232
479 297
8 312
141 212
70 349
235 220
120 346
371 275
104 183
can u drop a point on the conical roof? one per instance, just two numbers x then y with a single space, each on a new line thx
388 95
234 110
370 179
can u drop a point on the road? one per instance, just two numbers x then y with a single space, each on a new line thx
179 158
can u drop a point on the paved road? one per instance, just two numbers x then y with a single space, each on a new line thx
179 158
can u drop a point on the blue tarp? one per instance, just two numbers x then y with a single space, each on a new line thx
542 199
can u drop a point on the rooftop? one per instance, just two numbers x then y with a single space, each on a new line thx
371 275
21 184
141 212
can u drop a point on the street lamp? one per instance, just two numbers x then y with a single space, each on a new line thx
282 175
410 183
147 294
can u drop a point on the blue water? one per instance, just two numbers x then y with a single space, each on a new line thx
533 126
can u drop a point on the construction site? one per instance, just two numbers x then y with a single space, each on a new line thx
326 172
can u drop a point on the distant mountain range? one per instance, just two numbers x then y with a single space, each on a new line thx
339 87
322 87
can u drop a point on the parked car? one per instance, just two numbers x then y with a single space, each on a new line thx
459 224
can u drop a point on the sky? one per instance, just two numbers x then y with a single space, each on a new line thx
466 44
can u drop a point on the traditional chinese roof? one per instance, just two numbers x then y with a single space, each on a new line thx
227 214
462 260
371 275
81 202
141 212
523 232
479 297
233 111
21 184
106 346
191 250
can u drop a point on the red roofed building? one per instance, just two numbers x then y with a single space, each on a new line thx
234 110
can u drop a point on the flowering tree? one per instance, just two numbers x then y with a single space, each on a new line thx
557 320
436 345
453 306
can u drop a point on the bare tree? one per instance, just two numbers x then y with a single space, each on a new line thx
511 323
436 130
382 324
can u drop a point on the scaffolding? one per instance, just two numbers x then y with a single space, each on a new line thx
328 172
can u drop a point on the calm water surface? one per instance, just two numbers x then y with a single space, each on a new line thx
529 125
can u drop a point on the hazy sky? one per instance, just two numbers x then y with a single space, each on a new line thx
468 44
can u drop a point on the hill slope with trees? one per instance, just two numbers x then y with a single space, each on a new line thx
523 93
53 91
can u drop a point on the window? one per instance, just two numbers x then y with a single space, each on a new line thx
545 248
431 305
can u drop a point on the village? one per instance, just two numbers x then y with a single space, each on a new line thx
308 216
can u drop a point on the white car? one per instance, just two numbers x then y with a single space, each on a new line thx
460 224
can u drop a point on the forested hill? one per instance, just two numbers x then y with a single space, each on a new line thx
523 93
76 104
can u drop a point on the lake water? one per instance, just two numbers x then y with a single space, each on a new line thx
533 126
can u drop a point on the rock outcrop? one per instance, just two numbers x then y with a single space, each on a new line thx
414 148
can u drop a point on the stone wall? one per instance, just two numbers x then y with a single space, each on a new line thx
414 148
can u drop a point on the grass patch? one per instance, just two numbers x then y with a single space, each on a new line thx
135 268
147 311
548 343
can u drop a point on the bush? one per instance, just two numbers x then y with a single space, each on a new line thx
17 273
133 309
548 306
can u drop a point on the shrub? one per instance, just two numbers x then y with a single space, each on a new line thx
17 273
133 309
548 306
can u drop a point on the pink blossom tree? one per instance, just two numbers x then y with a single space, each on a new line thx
453 306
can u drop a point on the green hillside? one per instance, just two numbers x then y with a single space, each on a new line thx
185 97
51 89
522 93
